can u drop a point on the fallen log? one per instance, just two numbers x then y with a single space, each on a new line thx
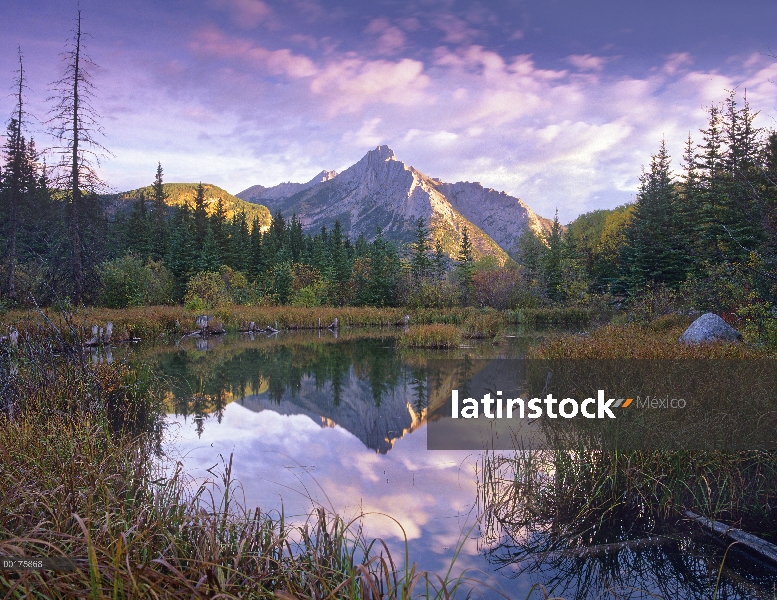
731 534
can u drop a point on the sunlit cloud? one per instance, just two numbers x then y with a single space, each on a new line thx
260 91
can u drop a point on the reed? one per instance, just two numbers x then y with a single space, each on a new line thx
589 493
430 336
83 478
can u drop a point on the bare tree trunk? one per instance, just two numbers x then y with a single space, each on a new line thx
75 217
16 185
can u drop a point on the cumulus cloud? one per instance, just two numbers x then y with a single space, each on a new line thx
351 83
586 62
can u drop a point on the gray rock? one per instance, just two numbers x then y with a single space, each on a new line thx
709 328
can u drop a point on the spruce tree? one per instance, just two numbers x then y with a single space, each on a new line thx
552 261
257 256
139 231
159 213
531 256
689 211
420 263
710 169
219 226
200 217
653 253
440 261
739 212
465 268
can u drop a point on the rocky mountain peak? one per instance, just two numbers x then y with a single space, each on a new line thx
380 191
376 158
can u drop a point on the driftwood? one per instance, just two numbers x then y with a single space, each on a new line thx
746 540
102 336
207 326
12 338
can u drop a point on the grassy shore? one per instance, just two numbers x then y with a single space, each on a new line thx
152 322
594 495
81 478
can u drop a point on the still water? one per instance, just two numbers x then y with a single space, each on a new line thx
313 420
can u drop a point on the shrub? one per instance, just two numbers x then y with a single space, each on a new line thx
205 290
498 288
127 281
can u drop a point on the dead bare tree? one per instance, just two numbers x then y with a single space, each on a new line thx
15 156
74 123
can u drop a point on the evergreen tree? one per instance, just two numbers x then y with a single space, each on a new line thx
709 166
440 261
465 268
552 261
380 289
339 251
200 217
257 255
296 239
739 212
653 251
420 263
531 255
139 229
768 195
240 255
210 255
182 253
159 211
218 224
689 210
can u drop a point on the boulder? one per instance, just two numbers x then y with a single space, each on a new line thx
709 328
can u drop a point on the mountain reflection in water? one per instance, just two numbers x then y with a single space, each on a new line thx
362 385
341 424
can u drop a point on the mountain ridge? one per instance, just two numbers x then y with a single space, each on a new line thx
381 191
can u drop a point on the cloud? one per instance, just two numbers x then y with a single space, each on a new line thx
675 62
246 14
586 62
211 42
291 103
351 83
390 39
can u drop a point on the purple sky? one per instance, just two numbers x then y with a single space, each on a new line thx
556 102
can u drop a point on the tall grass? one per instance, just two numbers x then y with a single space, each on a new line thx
593 496
430 336
81 478
152 322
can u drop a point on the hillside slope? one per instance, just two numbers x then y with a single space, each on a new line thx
179 194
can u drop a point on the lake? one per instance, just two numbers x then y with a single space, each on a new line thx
318 419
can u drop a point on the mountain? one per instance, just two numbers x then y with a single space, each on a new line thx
381 191
284 190
179 194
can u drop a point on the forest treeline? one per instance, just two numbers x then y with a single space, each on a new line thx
705 238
